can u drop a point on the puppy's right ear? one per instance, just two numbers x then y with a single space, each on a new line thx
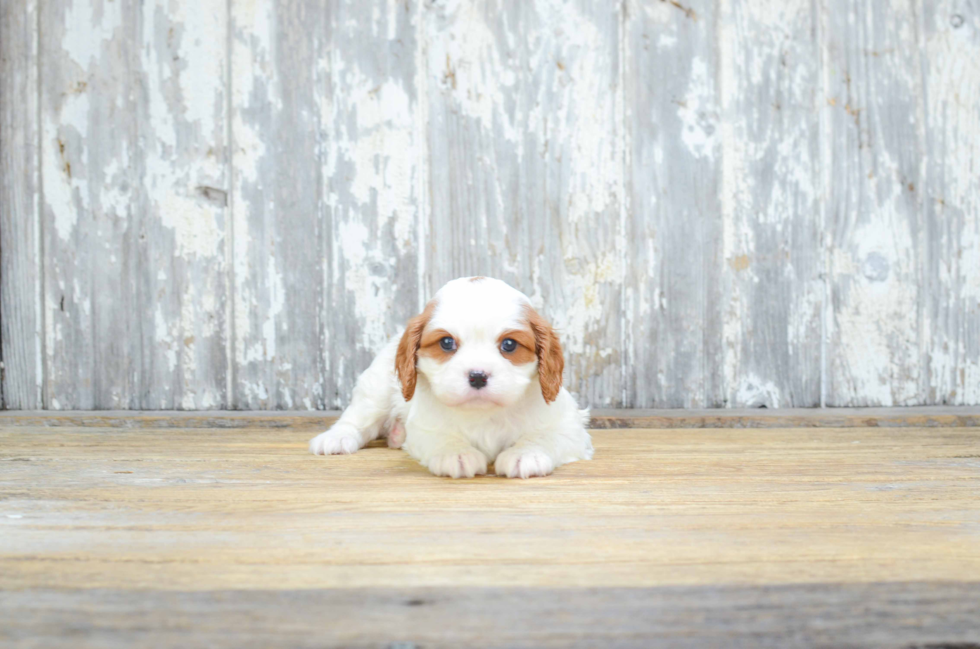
408 350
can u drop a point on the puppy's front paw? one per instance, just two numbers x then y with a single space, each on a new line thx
523 463
460 464
342 439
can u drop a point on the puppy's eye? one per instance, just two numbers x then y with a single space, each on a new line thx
508 345
448 344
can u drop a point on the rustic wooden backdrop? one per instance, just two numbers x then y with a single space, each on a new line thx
233 203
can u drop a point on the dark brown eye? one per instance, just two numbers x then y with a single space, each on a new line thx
448 344
508 345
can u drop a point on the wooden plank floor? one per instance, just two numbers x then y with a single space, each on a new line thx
708 537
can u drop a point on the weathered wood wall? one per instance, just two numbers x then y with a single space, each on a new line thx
232 204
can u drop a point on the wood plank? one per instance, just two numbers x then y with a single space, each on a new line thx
92 193
134 105
161 419
717 538
21 370
382 147
950 55
874 155
526 178
920 417
674 306
278 242
184 220
805 615
773 265
925 417
249 509
372 155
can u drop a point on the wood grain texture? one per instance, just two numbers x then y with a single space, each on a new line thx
769 75
22 370
950 55
184 220
231 537
726 203
252 509
673 291
526 177
133 101
929 416
372 157
921 417
889 615
279 238
874 159
93 201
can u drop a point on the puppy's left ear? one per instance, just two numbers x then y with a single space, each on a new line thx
551 361
408 349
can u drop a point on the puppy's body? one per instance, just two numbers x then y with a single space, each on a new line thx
474 379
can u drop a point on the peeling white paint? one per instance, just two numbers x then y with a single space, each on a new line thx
163 333
754 391
365 288
876 324
587 311
194 223
545 126
875 344
586 105
100 22
472 68
575 112
695 112
66 190
254 94
952 76
382 152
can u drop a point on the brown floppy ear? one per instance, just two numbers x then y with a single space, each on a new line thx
551 362
408 349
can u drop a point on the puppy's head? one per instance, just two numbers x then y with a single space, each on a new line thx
479 344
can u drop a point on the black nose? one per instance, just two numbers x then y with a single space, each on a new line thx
478 379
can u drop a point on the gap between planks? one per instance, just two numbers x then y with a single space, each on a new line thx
919 417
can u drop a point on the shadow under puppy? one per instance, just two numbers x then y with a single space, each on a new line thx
475 378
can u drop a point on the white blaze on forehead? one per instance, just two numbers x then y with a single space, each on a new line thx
478 307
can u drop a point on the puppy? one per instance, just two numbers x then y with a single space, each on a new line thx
476 378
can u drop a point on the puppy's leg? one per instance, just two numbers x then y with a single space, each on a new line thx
396 436
541 452
445 454
370 406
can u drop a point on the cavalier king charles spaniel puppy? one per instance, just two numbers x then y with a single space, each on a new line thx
475 379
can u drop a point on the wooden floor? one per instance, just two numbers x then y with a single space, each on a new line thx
697 537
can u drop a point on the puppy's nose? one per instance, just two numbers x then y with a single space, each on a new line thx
478 378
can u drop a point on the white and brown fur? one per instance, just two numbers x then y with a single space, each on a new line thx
421 397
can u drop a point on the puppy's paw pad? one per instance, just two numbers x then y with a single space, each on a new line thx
342 439
514 463
396 436
464 464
